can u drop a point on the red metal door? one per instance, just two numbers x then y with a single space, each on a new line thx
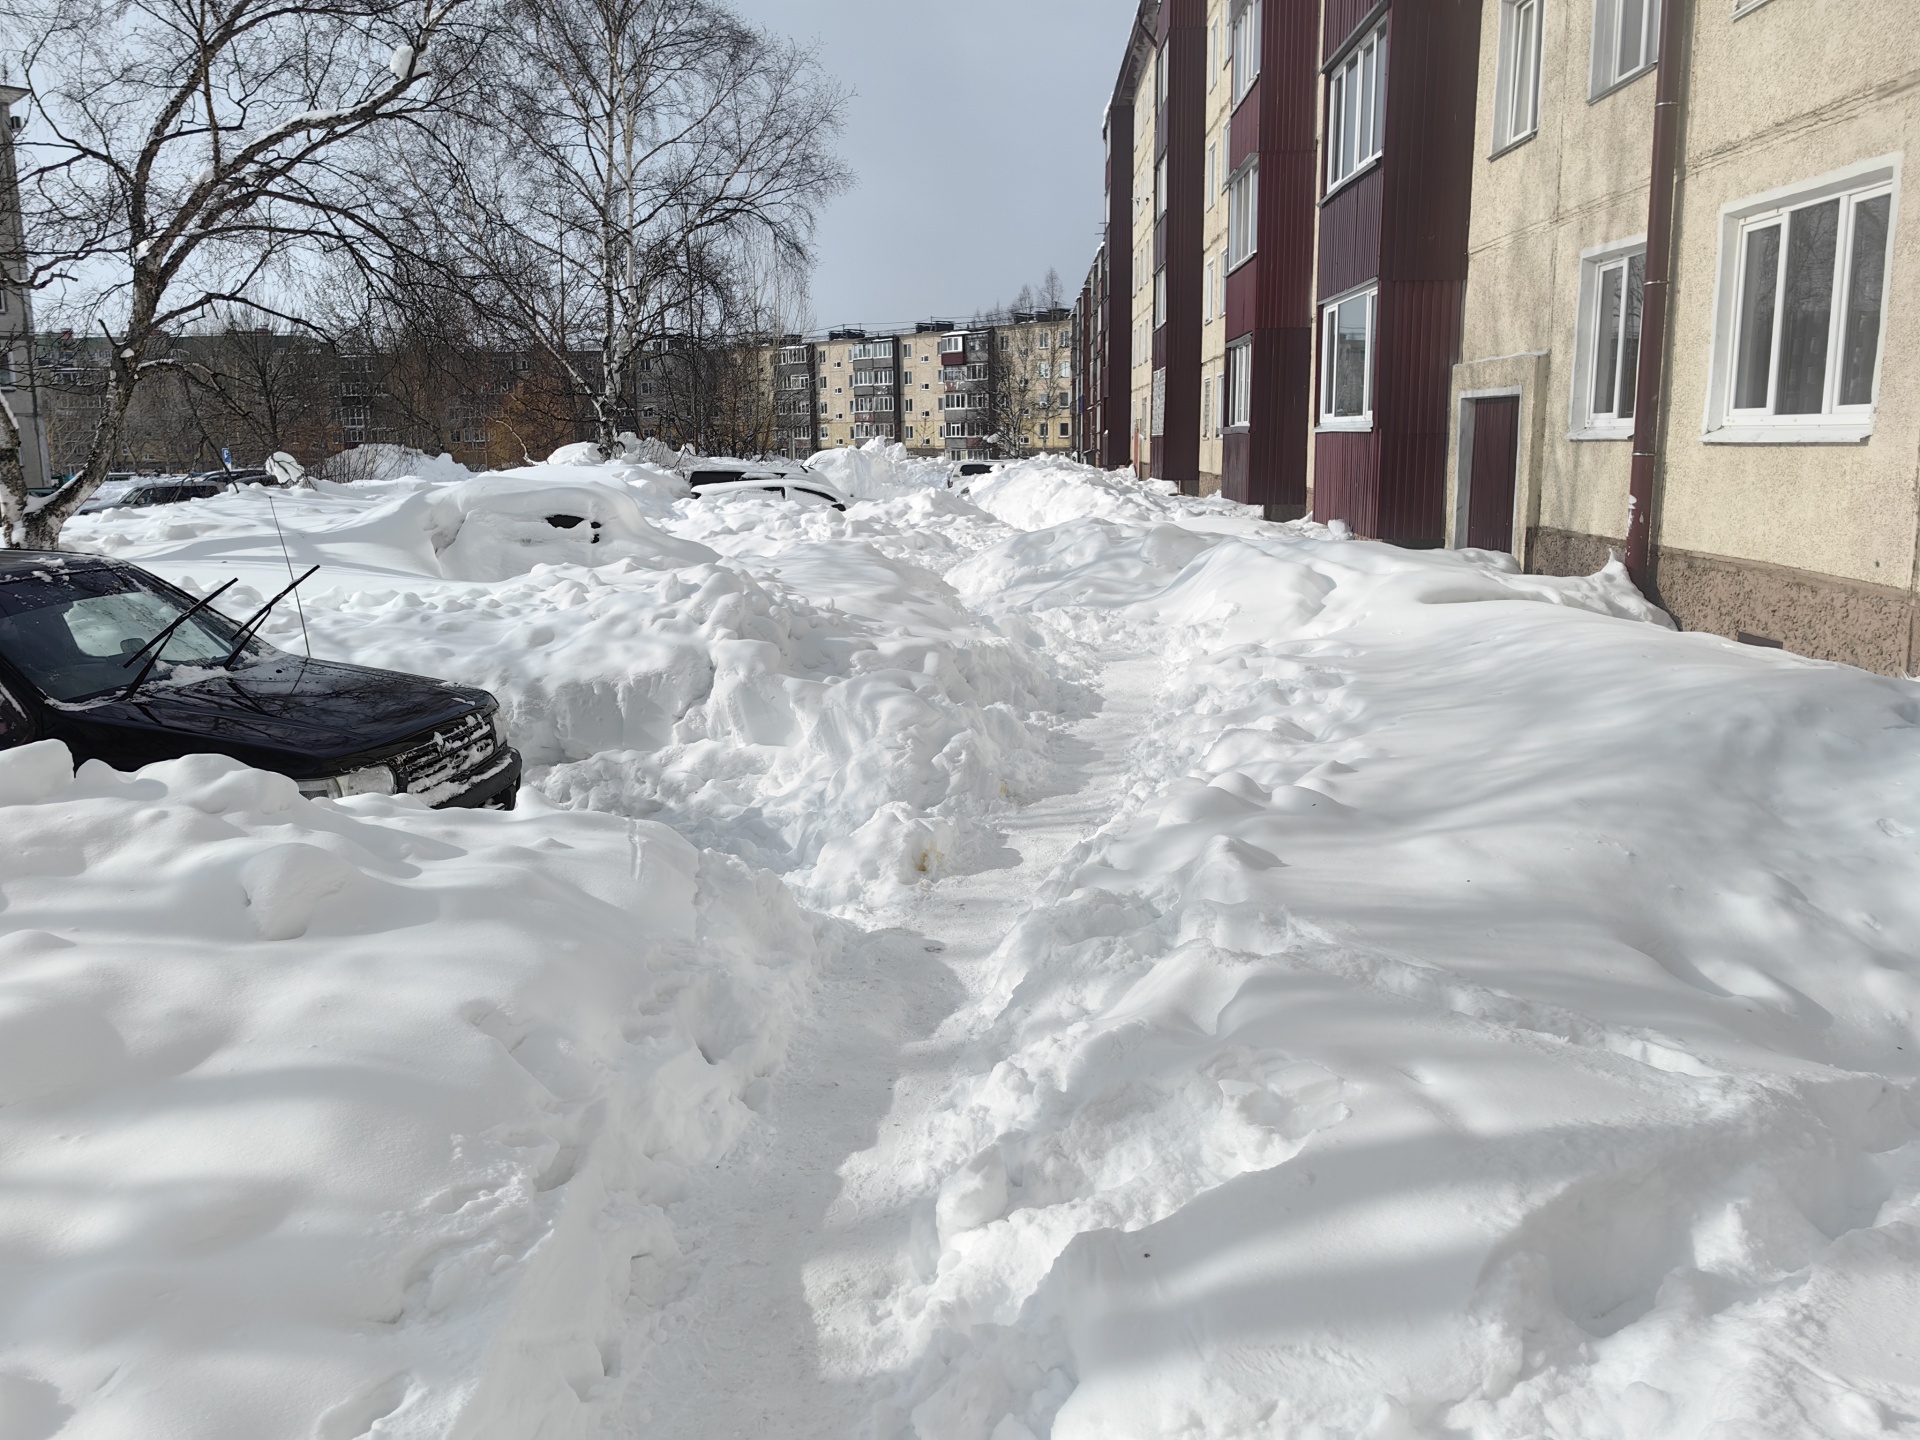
1492 471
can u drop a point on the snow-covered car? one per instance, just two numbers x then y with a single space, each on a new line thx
800 485
124 668
163 490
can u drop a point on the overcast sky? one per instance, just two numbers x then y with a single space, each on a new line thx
974 134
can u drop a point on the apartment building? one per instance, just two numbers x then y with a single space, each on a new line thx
1220 201
1759 425
1089 359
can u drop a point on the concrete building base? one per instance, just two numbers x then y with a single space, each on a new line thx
1874 627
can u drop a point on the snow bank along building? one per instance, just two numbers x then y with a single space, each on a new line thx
941 390
1421 266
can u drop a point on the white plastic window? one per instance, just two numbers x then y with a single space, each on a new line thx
1626 41
1346 362
1809 295
1357 110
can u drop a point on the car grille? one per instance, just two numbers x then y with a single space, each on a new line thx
448 753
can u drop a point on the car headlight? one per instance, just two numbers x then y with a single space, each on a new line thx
374 780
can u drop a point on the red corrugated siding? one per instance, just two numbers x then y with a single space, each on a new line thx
1275 303
1247 125
1243 289
1117 367
1343 18
1184 23
1350 233
1236 465
1419 343
1406 224
1346 471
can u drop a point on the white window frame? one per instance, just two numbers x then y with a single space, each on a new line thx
1607 74
953 344
1243 214
1213 174
1159 298
1836 424
1206 306
1244 41
1329 313
1516 111
1354 146
1595 262
1236 387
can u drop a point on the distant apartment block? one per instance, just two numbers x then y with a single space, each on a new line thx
1005 388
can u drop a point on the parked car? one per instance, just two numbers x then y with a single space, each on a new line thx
125 668
163 490
794 483
254 476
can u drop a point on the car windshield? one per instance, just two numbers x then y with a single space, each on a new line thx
71 631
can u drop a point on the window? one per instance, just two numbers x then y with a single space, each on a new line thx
1346 362
1213 56
1159 298
793 355
1206 303
1206 406
953 345
1160 188
1357 110
1213 173
1043 429
1243 206
1160 78
799 382
1066 430
877 350
1517 98
1237 388
1246 47
1626 41
1607 363
873 377
1225 256
1804 276
1006 343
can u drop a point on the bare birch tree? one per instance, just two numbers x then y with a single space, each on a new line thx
634 161
180 152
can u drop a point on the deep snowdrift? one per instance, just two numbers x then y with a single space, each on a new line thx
324 1117
1490 1014
1493 1020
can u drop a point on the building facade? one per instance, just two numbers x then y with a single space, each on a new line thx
1777 424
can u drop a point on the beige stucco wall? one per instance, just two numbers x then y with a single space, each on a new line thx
1142 355
920 394
1787 93
1213 229
1578 184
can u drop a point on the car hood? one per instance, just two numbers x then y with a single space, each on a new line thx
306 714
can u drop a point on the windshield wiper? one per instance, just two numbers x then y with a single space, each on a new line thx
247 630
159 642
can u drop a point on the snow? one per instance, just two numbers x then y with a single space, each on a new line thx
1054 960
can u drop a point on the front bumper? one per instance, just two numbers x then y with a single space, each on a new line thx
495 786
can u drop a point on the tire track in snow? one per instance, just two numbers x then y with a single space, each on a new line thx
768 1322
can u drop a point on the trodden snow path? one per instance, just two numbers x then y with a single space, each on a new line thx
792 1244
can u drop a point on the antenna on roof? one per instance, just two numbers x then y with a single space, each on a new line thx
299 608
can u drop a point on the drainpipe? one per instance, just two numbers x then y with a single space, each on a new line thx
1651 388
